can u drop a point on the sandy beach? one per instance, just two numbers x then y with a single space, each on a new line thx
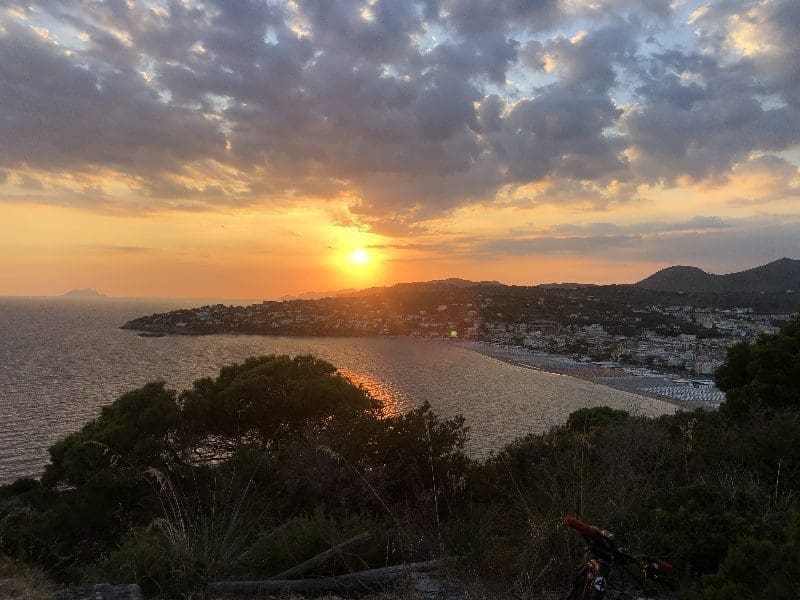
681 392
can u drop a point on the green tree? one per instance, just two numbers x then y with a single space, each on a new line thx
266 441
764 374
132 434
269 400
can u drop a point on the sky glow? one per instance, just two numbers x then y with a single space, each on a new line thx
251 149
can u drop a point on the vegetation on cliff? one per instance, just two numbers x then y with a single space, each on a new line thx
280 458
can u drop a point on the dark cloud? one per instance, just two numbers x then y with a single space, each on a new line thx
589 59
559 132
707 241
406 110
594 239
699 116
750 243
766 33
697 223
571 245
58 114
475 17
486 55
379 32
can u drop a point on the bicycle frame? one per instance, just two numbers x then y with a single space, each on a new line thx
607 566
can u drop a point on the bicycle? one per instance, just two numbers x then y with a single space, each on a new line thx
609 571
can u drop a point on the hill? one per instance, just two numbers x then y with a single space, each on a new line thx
318 295
434 285
776 277
453 282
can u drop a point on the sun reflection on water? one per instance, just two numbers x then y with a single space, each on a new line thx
389 397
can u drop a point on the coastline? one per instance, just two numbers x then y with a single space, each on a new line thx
675 390
639 381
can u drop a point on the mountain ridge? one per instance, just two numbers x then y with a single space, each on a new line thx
777 276
780 275
351 293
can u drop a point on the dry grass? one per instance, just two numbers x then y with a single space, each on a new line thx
19 581
455 585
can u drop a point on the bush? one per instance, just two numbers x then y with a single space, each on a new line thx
304 537
149 557
202 474
278 459
764 374
756 568
588 420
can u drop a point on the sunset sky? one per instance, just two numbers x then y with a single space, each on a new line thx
251 149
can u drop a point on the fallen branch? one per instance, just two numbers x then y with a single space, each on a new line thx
352 581
322 558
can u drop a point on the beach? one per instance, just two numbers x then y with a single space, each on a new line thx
682 392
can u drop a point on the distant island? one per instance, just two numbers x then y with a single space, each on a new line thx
83 293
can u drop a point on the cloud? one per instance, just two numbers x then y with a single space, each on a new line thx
695 224
589 239
704 240
62 115
123 250
405 111
702 111
763 179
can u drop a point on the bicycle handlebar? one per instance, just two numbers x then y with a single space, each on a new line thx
667 568
587 531
590 532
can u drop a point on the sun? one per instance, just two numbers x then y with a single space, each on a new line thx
359 265
359 257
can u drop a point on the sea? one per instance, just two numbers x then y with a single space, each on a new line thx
62 359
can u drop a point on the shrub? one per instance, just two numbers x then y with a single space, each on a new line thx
203 473
304 537
149 557
764 374
278 459
757 568
588 420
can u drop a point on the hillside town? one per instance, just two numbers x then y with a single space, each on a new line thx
577 322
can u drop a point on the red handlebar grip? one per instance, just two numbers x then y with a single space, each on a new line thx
585 530
665 567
